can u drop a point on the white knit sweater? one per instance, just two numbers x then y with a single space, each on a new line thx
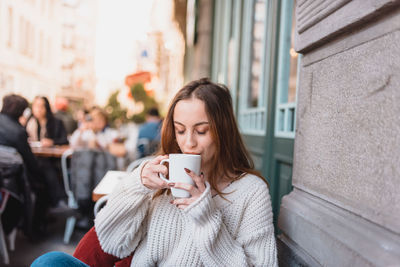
210 232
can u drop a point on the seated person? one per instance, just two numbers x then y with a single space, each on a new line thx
94 132
91 160
149 133
61 106
141 141
13 134
80 116
43 127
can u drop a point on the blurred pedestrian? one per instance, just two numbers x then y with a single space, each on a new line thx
149 133
61 106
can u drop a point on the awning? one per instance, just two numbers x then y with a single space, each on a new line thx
138 77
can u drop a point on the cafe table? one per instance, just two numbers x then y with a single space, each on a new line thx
49 152
107 184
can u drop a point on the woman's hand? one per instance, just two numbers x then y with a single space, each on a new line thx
46 142
195 190
150 172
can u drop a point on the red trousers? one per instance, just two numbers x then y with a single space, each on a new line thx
90 252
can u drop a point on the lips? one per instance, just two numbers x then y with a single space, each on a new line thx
193 153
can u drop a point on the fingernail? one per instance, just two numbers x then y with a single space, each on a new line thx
171 184
187 170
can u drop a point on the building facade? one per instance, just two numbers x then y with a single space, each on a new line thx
315 86
78 22
30 39
46 48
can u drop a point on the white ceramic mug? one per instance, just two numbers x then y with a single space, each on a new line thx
177 173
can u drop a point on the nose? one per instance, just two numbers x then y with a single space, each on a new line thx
190 141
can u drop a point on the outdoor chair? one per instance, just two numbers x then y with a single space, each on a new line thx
4 195
72 203
87 167
147 147
11 176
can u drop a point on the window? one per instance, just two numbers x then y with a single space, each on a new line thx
221 40
256 64
256 52
30 40
44 7
226 44
233 55
22 35
287 78
10 27
51 8
49 52
41 47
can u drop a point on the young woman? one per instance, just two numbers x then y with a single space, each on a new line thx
43 126
227 221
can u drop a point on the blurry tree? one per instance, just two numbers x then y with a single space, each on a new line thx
139 94
116 114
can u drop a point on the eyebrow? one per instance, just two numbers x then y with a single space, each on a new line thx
197 124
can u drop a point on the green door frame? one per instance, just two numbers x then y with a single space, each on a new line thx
272 154
279 146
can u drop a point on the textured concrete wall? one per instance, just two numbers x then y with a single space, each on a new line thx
345 207
348 136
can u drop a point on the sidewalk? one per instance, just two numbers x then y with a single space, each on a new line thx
26 251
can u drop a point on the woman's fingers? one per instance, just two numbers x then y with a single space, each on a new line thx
188 187
198 180
157 184
182 203
158 159
194 190
158 168
150 173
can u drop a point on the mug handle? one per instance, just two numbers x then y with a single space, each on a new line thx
162 177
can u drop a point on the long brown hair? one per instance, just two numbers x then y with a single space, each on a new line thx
231 159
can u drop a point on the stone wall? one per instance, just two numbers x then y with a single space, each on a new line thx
345 206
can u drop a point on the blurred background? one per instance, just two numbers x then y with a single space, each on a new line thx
315 87
90 51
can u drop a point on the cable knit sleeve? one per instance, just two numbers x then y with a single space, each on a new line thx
120 225
255 241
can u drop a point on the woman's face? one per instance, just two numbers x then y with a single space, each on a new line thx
192 130
38 108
